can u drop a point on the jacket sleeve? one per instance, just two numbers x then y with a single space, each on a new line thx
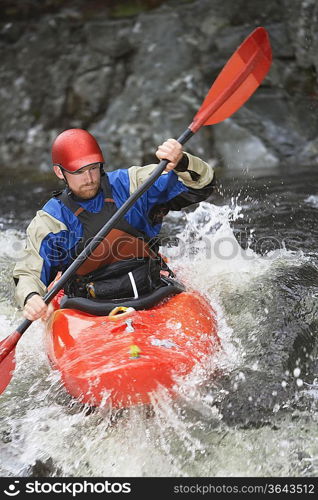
199 179
197 176
176 189
30 273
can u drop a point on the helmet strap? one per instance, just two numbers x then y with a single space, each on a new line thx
65 180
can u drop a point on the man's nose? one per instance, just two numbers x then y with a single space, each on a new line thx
88 175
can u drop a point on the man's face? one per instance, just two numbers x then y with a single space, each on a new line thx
86 182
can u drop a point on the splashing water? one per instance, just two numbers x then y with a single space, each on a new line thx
45 432
312 200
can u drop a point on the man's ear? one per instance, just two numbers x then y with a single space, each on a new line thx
58 172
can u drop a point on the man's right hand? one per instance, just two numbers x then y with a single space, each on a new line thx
36 308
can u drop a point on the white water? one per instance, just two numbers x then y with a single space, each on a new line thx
180 438
312 200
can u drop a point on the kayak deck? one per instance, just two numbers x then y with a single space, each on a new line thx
125 357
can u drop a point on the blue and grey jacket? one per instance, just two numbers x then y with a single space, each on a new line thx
55 231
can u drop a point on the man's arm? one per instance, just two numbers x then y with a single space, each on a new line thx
193 172
188 181
27 271
31 272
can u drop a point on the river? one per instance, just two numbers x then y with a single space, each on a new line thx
253 411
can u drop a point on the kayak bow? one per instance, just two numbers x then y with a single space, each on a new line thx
129 354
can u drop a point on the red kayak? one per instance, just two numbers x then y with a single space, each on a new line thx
125 356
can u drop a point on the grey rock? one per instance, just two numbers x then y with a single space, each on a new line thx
241 149
138 80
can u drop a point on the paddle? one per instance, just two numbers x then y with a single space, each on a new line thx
237 81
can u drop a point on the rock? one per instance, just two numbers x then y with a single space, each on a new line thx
310 152
135 81
302 21
240 149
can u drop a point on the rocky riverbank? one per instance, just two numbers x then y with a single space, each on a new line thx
134 77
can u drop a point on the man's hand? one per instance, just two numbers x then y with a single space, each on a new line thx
36 308
170 150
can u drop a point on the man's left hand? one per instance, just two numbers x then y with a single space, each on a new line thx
170 150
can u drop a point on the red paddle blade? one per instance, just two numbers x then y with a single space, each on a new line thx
7 359
7 368
240 77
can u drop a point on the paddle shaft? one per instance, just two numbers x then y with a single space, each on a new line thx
184 137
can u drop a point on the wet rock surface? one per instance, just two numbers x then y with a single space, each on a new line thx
134 80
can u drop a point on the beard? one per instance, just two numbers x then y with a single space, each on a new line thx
87 191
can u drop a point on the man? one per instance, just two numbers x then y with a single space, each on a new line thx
126 263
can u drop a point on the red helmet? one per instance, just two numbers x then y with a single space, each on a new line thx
75 148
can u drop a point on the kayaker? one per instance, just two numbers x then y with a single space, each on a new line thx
127 262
